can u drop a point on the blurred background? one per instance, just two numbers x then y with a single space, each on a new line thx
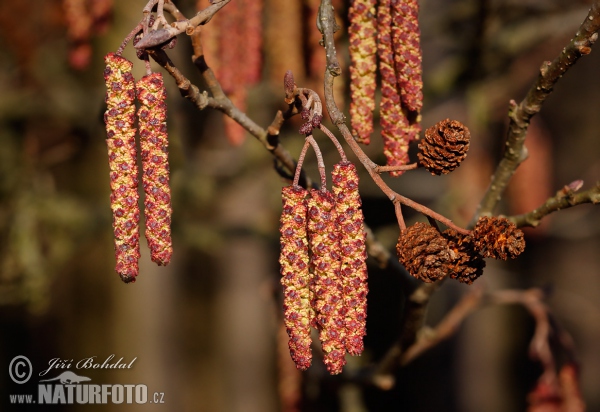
206 330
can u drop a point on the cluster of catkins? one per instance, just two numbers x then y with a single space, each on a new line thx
232 44
430 255
323 269
387 30
120 119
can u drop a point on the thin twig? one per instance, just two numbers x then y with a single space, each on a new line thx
520 114
335 141
300 162
156 37
564 198
320 162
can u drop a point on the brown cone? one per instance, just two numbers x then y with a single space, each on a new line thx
424 252
498 238
445 145
467 264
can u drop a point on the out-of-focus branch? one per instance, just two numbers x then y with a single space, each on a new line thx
531 299
521 114
416 309
564 198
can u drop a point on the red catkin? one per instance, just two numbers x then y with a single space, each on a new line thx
353 271
407 52
122 154
363 54
295 277
396 131
152 116
325 262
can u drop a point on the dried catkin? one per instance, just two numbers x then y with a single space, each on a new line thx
363 56
325 262
152 116
295 276
350 226
122 154
407 52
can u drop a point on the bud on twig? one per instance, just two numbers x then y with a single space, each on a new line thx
119 118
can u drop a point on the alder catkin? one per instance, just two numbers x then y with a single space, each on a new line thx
363 56
325 263
152 116
407 52
396 131
122 159
350 226
295 276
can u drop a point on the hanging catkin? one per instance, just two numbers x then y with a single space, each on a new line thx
363 56
119 119
407 53
152 116
327 286
352 237
295 277
394 124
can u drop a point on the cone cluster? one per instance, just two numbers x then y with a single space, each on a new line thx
430 256
444 147
323 270
122 154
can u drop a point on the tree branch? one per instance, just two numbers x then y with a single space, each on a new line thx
521 114
156 37
564 198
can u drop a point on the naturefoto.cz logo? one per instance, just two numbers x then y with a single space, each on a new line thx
70 388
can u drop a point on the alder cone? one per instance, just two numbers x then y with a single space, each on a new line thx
467 264
424 252
444 147
498 238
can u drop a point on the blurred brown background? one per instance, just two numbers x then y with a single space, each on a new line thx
204 328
